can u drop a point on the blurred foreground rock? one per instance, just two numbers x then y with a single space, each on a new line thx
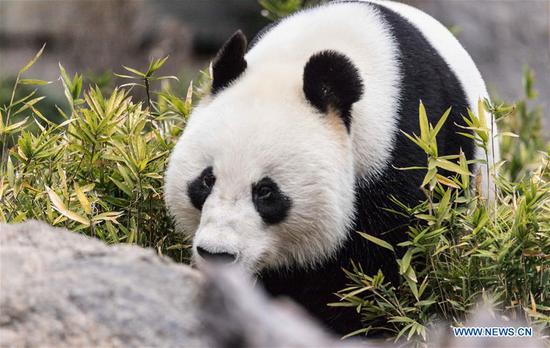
237 315
62 289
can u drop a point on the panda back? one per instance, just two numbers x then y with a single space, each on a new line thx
463 68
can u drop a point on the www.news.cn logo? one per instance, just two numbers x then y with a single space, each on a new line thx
492 331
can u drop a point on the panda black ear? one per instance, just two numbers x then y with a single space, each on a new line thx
229 63
332 83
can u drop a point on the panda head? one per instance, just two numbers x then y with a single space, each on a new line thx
263 174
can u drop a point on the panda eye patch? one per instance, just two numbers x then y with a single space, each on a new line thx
199 189
270 202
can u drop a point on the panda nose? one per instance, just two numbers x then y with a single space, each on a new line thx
216 257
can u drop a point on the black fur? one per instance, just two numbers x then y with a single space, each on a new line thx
272 204
426 76
331 81
199 189
229 63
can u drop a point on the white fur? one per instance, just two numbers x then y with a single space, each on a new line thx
284 50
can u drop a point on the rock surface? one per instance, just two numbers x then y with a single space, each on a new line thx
238 315
61 289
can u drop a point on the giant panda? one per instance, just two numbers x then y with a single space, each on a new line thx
298 145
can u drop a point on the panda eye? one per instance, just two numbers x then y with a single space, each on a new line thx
264 192
208 180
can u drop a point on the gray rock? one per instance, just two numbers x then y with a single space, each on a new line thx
62 289
238 315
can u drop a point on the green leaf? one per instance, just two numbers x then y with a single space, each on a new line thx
28 105
446 181
443 204
34 82
155 65
64 75
19 126
441 122
84 202
132 70
60 207
33 60
406 261
111 216
377 241
424 125
126 76
481 113
452 167
10 172
125 188
430 174
509 134
357 332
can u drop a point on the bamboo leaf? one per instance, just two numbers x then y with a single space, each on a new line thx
34 82
430 174
55 199
452 167
84 202
111 216
19 126
60 207
424 125
406 261
441 122
132 70
446 181
377 241
33 60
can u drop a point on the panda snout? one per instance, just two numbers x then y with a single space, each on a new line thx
219 257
